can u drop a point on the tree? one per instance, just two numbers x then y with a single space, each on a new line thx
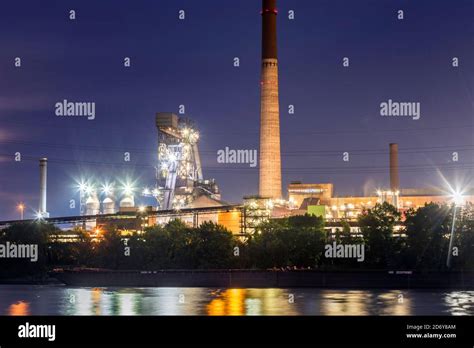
464 239
158 247
266 246
427 230
34 234
294 241
110 249
179 246
182 248
344 237
213 246
377 226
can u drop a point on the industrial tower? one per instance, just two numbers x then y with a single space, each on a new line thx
179 172
270 160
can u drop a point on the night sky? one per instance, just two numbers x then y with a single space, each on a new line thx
190 62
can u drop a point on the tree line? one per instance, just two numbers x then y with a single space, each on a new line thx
295 242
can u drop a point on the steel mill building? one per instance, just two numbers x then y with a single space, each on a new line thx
319 199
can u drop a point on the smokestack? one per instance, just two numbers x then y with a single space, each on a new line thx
394 179
270 160
43 179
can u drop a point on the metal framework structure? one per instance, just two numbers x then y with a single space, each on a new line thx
179 173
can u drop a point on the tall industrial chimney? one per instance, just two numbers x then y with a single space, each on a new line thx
270 160
43 179
394 179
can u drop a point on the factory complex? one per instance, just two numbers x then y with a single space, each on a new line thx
182 191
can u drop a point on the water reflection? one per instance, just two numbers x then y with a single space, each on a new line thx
19 308
361 302
57 300
461 302
229 302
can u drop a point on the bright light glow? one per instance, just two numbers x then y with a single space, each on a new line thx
350 206
21 206
172 157
269 204
155 192
107 189
457 198
141 209
89 189
82 186
146 191
379 193
128 189
456 192
38 215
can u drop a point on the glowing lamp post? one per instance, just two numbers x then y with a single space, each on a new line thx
458 200
21 208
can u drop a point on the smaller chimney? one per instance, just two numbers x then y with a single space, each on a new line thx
43 179
394 178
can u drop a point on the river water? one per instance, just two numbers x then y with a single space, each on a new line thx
61 300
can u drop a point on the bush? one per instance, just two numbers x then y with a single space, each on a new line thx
295 241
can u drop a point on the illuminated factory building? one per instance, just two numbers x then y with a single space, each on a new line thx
179 186
319 199
179 173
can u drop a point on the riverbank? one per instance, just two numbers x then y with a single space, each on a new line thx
267 279
30 281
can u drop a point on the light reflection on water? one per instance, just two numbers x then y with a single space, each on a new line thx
58 300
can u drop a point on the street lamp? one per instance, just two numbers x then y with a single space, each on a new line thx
39 216
458 200
21 208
